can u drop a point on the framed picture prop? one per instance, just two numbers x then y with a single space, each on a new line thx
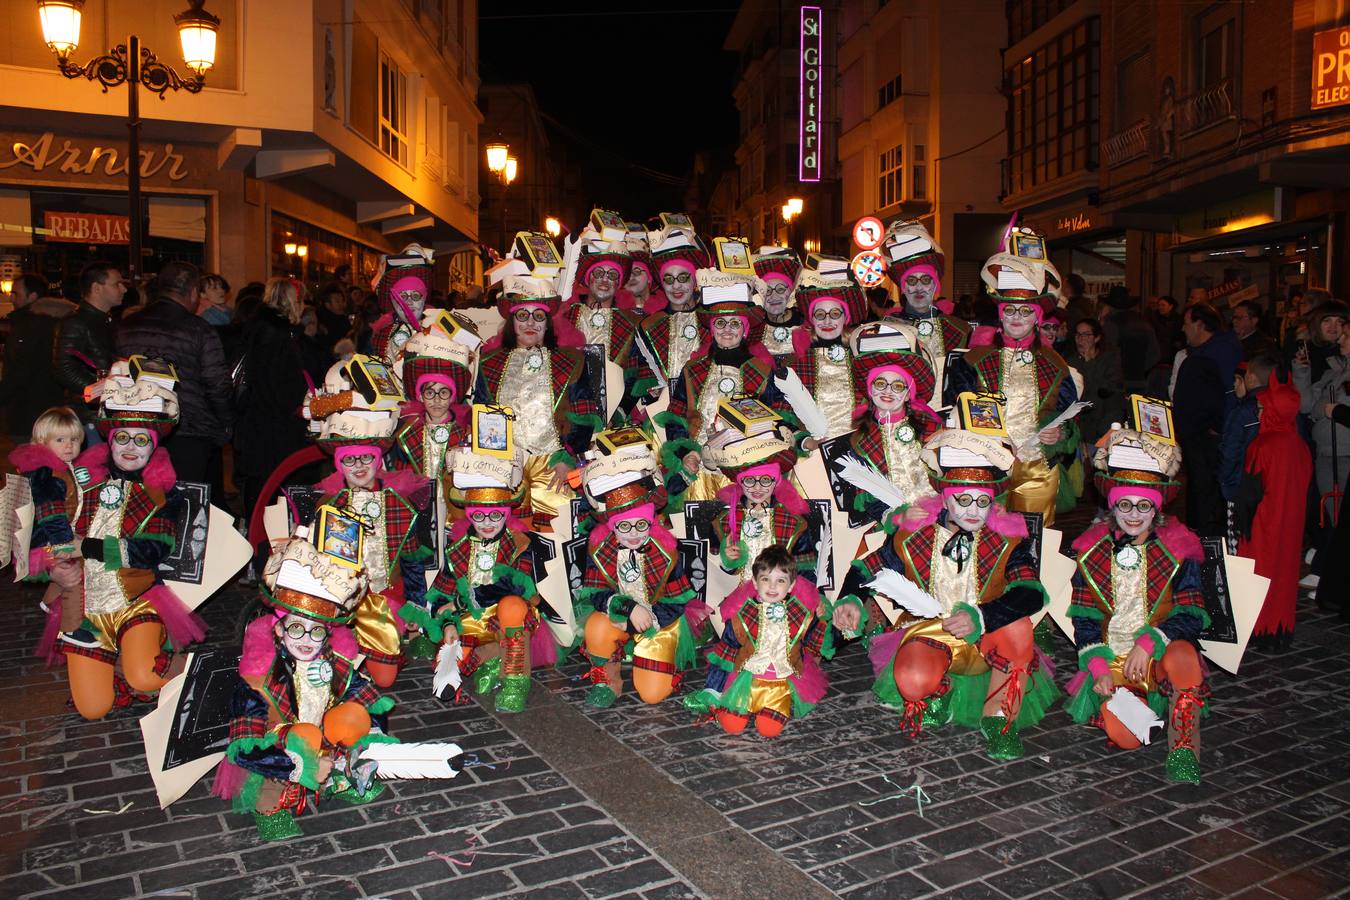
982 413
340 536
1153 417
492 430
733 255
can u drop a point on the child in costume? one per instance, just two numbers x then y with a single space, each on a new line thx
634 594
764 509
1137 610
56 471
779 267
822 359
537 370
766 666
401 287
437 375
895 421
124 529
394 544
964 652
300 703
1033 377
915 264
671 336
484 594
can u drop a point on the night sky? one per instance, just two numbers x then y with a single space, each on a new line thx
637 85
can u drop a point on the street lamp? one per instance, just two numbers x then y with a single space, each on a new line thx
6 285
509 171
496 156
552 226
133 65
792 209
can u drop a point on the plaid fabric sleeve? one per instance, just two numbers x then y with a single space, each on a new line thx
250 746
597 591
677 421
815 637
582 413
678 590
51 524
156 538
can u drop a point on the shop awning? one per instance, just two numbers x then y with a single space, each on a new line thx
1257 235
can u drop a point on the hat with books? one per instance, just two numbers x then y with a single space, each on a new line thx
828 278
434 355
597 251
892 346
678 245
299 578
477 479
360 383
403 282
727 293
528 290
908 245
1131 461
778 263
1022 271
138 393
957 458
742 455
639 249
357 428
622 480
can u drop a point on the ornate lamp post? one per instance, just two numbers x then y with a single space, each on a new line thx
135 66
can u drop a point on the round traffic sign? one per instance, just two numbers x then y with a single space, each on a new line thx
869 268
867 232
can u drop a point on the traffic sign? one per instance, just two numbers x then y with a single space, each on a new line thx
867 232
869 268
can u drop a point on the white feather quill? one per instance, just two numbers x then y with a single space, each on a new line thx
870 481
447 672
427 760
823 554
804 405
905 593
646 352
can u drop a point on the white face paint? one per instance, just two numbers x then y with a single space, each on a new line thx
305 647
638 282
728 331
757 491
1018 318
679 285
1130 518
361 474
131 448
888 392
827 320
972 517
776 297
603 281
485 524
919 288
636 536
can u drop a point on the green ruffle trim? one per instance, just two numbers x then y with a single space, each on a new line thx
375 737
309 761
736 696
965 701
1086 703
667 419
673 453
112 554
380 706
976 619
415 614
800 707
701 702
1079 611
524 584
1157 637
642 386
561 456
248 745
686 653
583 605
1101 650
1198 611
246 801
586 419
1034 585
725 665
614 608
733 565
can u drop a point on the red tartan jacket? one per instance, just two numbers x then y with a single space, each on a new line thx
806 630
146 535
656 336
412 446
623 328
513 559
668 588
955 332
788 530
572 400
381 338
1053 383
756 380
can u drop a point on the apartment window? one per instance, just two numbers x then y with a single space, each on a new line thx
393 111
888 93
1214 68
1134 93
889 181
918 168
1025 16
1053 116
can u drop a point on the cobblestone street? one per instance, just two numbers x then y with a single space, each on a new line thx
562 804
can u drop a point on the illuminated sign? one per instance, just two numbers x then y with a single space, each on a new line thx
71 159
808 137
1331 68
1075 223
87 228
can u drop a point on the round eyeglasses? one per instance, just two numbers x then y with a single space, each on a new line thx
980 500
1129 506
481 517
351 462
296 630
627 525
122 438
759 481
528 315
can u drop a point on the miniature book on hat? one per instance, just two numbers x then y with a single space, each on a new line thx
539 250
625 441
982 413
676 220
747 415
457 331
1153 417
1026 245
609 224
158 371
373 380
492 430
827 265
882 338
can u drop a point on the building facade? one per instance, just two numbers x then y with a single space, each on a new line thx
348 129
1214 143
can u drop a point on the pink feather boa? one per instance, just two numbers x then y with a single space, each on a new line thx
1001 521
657 301
1179 540
183 625
51 627
159 473
983 336
408 484
801 342
543 649
27 458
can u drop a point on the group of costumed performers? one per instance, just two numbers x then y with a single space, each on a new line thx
671 529
103 522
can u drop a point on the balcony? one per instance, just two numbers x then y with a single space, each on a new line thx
1129 144
1206 107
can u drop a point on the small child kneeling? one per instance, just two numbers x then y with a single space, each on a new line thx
766 666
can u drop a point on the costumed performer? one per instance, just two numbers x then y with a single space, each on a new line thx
601 268
1034 378
438 376
642 284
401 287
766 667
822 360
671 335
962 651
915 264
779 268
1137 609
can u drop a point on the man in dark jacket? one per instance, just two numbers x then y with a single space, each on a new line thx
29 388
1127 330
1247 328
1203 398
84 345
170 329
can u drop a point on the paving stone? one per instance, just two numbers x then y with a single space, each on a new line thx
188 874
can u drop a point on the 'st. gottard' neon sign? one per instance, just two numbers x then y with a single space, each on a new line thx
808 139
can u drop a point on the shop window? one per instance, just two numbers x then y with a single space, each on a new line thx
393 111
889 182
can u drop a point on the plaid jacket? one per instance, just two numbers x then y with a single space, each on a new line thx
405 552
513 556
668 588
623 328
382 340
756 380
575 412
656 336
868 445
788 530
740 636
411 443
981 370
1177 608
806 369
955 332
147 533
264 703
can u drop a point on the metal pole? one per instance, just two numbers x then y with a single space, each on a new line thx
134 154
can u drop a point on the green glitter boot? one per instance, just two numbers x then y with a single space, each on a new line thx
420 647
515 691
601 696
1182 766
488 676
998 743
279 826
938 711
